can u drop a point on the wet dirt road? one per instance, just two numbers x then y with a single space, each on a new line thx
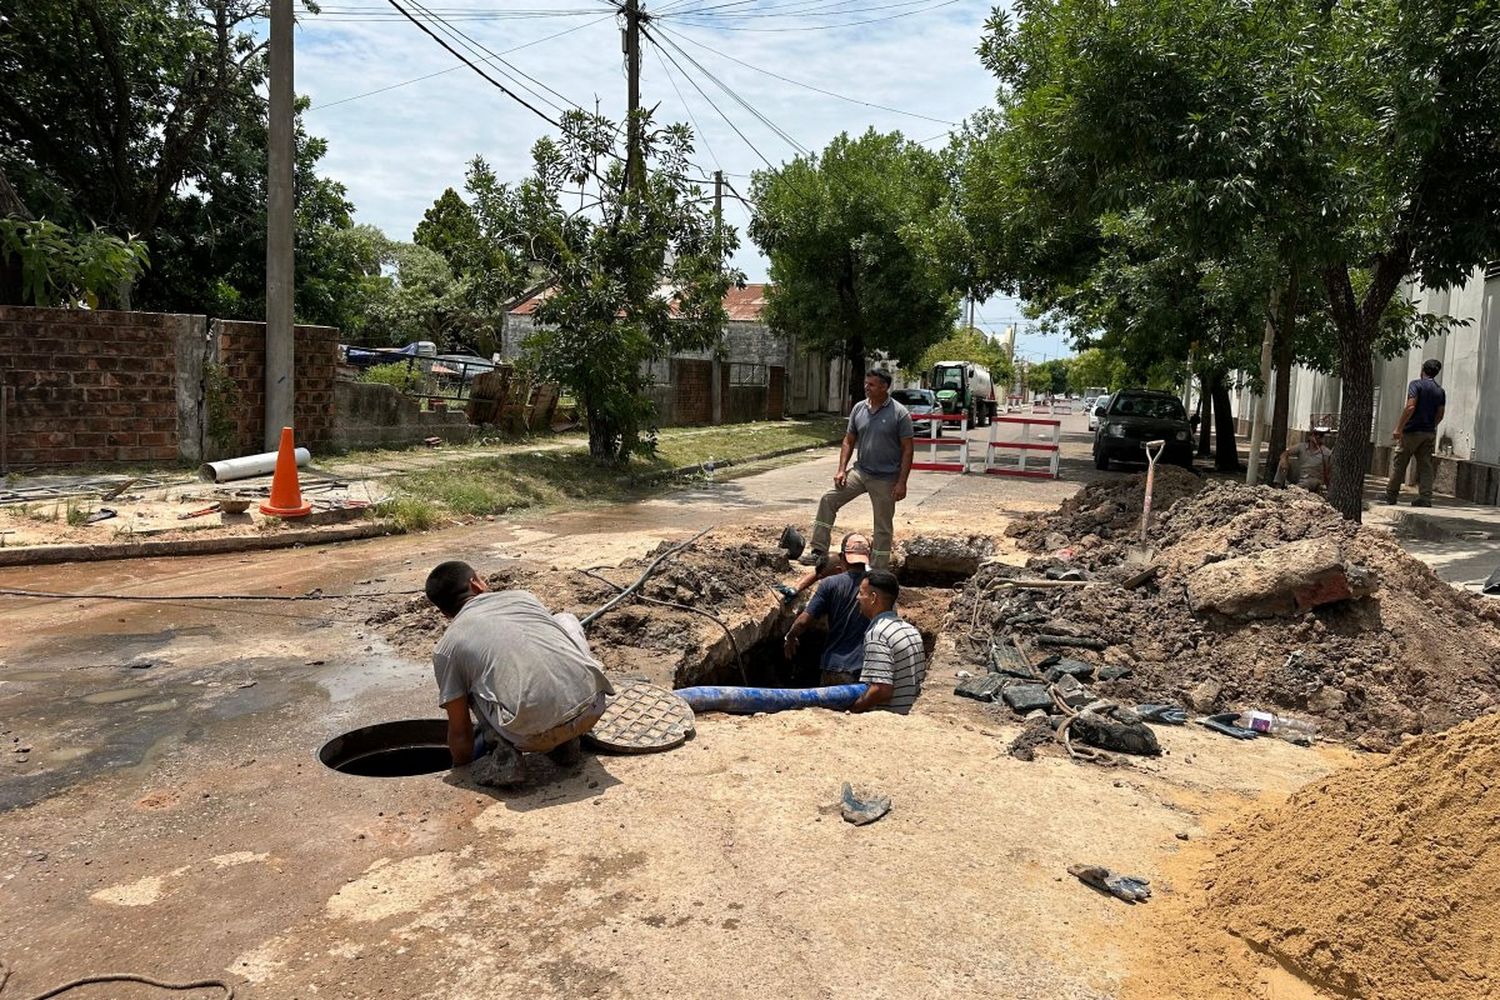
168 814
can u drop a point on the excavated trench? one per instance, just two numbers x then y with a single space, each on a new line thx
671 647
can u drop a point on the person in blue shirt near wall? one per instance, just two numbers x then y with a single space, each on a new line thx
1416 434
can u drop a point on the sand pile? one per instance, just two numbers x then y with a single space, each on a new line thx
1377 881
1416 657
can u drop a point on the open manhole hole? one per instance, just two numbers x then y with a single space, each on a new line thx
391 749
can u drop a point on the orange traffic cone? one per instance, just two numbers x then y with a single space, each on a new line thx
286 491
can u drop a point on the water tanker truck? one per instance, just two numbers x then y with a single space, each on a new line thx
964 387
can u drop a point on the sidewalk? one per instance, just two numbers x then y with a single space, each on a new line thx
70 515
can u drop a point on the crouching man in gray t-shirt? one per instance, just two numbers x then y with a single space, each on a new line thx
526 675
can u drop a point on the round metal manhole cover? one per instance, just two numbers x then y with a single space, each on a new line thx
642 718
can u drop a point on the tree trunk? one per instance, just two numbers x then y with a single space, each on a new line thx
1205 415
1258 415
603 437
1226 448
1351 458
1286 331
10 271
856 387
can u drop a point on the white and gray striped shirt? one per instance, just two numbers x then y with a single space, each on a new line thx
894 656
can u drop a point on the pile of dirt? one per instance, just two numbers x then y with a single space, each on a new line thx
1376 881
1103 512
1368 670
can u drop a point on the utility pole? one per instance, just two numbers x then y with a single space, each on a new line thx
718 201
279 290
635 166
716 391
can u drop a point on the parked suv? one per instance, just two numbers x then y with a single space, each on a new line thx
1135 416
921 403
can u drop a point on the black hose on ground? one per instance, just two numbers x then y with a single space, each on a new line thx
122 977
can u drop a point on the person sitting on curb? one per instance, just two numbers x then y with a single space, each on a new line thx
526 674
1308 465
836 601
895 662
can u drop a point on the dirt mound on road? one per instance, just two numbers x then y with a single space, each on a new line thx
1103 512
1415 657
1376 881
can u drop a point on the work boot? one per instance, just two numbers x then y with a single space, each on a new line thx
501 768
1388 501
1421 503
569 754
811 558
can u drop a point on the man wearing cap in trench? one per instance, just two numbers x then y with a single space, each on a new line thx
837 602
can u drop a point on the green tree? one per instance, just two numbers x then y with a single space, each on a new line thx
1345 147
150 118
966 343
632 276
449 228
850 234
1048 377
1096 367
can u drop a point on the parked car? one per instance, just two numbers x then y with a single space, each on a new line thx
921 403
1096 410
423 351
1135 416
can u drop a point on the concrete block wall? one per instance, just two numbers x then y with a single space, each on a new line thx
241 347
93 386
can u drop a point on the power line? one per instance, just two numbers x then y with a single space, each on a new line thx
824 9
806 86
452 69
491 80
744 138
691 117
778 130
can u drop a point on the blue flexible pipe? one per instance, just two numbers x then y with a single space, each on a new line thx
749 700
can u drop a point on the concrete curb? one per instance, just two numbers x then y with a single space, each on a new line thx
686 470
49 555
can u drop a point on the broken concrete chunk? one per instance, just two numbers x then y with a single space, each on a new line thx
1073 693
985 687
1279 581
1068 667
1023 697
1005 658
1114 672
1205 697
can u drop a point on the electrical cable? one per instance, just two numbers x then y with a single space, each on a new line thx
650 568
806 86
743 138
836 8
123 977
312 596
492 81
454 69
691 117
780 132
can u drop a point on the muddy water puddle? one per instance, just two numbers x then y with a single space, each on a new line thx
113 696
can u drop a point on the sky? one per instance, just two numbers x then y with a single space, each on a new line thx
398 148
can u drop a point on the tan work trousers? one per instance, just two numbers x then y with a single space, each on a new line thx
1414 445
881 503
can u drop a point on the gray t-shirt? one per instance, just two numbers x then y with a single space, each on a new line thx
880 433
523 670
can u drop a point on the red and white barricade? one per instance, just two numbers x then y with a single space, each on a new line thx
934 424
1062 408
1041 445
1013 404
1041 406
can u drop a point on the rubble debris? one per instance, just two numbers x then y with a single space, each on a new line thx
982 687
1131 888
1023 697
1290 578
1368 671
942 560
862 811
1115 728
1037 733
1102 511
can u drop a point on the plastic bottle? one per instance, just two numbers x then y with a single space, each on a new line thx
1292 730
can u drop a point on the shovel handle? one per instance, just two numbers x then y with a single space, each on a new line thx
1153 452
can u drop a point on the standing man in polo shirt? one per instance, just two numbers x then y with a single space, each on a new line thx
1416 433
881 429
895 661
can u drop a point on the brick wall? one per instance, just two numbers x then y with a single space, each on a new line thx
692 382
91 385
242 350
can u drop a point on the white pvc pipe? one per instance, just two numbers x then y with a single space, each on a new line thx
246 466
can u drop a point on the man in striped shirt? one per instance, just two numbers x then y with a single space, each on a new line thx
895 662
